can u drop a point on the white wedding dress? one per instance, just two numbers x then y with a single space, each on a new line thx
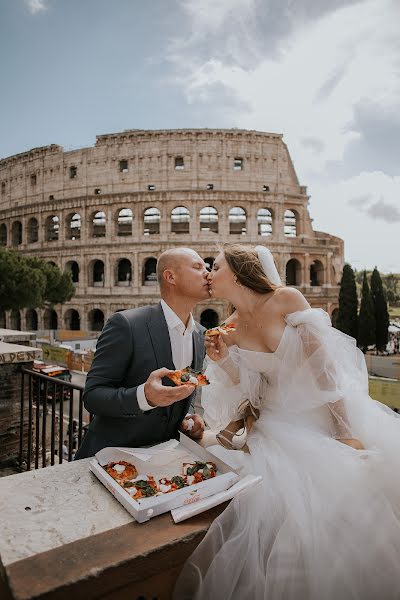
325 522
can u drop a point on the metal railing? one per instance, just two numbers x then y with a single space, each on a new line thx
42 421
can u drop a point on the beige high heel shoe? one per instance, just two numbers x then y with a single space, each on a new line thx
234 436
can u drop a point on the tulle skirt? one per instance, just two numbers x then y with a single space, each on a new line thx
323 525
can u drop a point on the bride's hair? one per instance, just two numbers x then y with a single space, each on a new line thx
244 263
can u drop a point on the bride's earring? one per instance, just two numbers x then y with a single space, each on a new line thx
235 280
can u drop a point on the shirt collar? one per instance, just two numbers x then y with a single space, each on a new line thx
173 321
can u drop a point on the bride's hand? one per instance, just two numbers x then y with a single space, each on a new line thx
216 347
354 443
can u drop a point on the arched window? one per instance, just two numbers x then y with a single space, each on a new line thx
98 273
33 230
74 223
31 320
293 272
151 221
209 262
3 234
124 222
209 318
15 319
16 233
237 220
150 271
289 223
316 273
73 268
180 219
264 221
72 320
96 320
209 219
124 272
99 224
52 227
50 320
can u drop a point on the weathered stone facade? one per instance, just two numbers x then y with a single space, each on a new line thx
108 211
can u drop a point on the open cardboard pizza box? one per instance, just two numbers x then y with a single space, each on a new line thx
165 460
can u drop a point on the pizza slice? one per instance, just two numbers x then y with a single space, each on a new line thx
224 329
188 375
198 471
121 471
143 487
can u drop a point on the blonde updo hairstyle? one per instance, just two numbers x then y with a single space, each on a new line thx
244 263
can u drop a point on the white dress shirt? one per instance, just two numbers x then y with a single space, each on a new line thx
181 345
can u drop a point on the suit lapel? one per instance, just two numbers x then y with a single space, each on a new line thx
160 339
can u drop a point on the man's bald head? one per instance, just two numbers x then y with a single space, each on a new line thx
173 259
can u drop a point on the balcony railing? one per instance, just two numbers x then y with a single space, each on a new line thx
43 424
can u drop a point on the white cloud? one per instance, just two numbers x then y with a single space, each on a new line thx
364 211
36 6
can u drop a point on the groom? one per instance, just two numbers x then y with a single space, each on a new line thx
133 403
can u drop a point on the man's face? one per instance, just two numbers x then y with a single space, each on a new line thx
191 276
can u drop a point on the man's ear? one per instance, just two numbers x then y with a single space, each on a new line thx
169 276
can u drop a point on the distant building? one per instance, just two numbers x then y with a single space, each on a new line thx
105 213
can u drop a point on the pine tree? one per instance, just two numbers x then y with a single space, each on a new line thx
366 318
380 310
348 304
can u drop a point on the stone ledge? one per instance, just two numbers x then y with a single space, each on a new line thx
15 353
113 564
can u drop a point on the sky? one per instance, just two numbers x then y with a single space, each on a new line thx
324 73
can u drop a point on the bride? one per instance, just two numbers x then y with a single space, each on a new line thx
324 523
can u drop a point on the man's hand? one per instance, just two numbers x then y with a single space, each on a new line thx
353 442
158 394
193 426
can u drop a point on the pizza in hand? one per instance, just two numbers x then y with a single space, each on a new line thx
224 329
188 375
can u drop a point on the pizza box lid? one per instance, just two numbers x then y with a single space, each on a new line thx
163 460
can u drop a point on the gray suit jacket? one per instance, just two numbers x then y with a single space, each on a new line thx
132 344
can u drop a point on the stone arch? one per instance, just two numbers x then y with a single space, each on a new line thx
124 222
237 220
151 221
209 219
290 223
33 230
180 220
317 273
209 262
16 233
31 319
96 273
209 318
96 319
72 320
264 221
293 272
50 319
124 272
52 227
73 268
149 274
15 319
98 224
3 234
73 225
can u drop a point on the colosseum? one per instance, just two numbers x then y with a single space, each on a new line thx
105 213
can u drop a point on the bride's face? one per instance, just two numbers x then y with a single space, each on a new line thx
221 278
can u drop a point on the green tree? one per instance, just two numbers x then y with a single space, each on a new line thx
381 313
27 282
366 318
348 303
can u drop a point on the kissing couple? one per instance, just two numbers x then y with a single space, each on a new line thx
325 521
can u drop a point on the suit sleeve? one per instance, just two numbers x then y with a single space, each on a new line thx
104 395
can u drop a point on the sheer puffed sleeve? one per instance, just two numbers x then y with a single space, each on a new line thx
321 366
231 382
